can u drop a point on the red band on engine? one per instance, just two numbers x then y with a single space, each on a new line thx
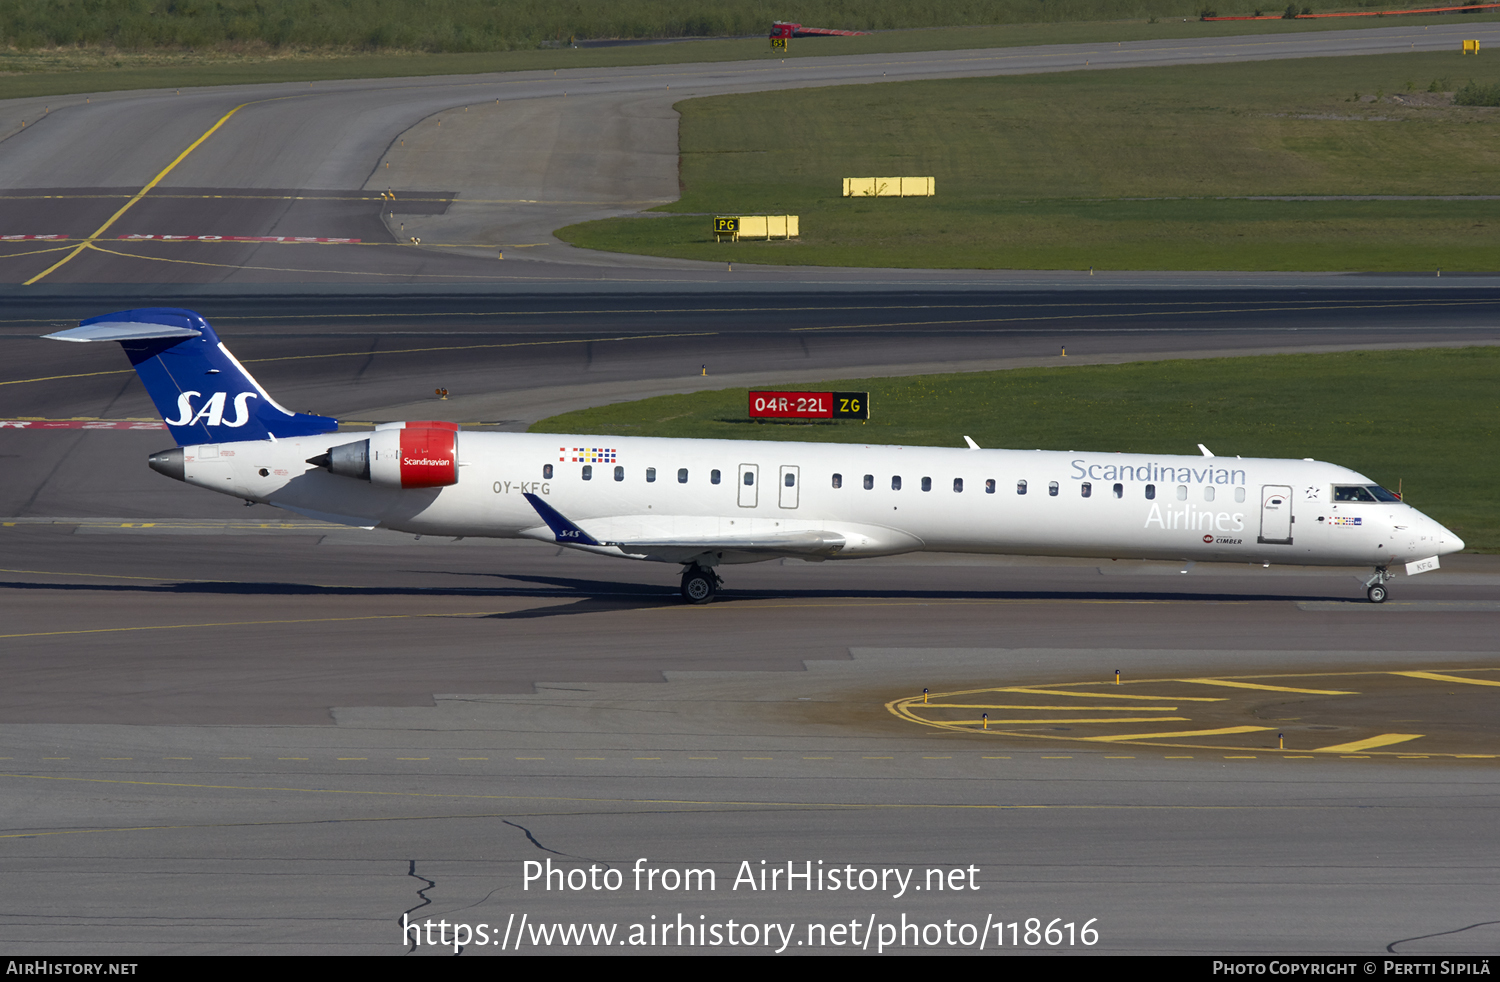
429 458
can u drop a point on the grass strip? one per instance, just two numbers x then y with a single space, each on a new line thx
1120 169
484 25
1420 420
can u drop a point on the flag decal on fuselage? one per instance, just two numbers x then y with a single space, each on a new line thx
587 455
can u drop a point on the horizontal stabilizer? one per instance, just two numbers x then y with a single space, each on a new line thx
123 331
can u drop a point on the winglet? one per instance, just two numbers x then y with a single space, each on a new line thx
565 531
971 443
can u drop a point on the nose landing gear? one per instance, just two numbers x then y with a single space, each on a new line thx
1375 585
699 584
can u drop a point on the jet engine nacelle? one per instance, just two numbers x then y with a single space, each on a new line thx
399 455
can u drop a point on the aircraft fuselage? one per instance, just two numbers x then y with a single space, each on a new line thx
880 500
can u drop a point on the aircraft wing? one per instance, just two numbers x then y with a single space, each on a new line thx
624 537
792 543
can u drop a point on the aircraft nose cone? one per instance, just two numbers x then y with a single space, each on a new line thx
1447 541
169 462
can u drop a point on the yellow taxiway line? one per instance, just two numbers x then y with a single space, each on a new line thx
87 243
1436 677
1354 746
1270 688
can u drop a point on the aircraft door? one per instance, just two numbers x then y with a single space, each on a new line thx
749 479
790 478
1276 515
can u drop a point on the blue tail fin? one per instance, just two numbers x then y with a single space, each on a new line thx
201 391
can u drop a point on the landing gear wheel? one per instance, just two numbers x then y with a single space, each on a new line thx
1375 585
699 585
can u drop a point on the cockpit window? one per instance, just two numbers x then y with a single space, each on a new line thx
1346 492
1381 494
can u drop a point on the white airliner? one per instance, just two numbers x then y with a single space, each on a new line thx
707 503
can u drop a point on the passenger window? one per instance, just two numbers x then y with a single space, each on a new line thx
1020 487
619 473
926 484
682 475
958 485
1182 492
896 482
838 480
749 478
1208 493
1119 490
869 481
547 471
1150 492
651 475
1052 488
791 479
1239 494
713 477
1086 489
989 486
588 472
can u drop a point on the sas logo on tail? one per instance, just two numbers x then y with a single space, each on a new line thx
212 412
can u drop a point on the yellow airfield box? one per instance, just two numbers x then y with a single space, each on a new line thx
889 187
739 227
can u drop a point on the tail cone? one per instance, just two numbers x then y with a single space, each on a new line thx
169 462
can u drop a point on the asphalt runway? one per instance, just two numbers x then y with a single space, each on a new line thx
230 730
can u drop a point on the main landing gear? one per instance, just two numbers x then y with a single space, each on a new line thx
1375 585
699 584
